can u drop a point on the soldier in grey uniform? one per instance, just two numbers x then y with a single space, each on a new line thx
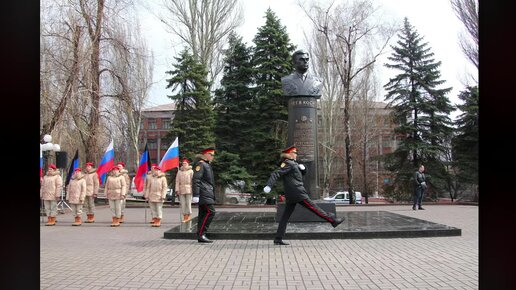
295 193
203 185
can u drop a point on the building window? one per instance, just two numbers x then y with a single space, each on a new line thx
152 144
164 145
152 124
165 123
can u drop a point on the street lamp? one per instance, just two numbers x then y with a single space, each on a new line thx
48 147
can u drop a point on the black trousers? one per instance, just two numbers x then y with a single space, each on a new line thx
289 209
206 214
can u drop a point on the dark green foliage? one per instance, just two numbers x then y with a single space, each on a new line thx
194 119
268 131
420 111
233 104
465 142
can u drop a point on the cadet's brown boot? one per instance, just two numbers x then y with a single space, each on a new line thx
91 218
115 222
153 220
49 221
121 219
157 223
186 218
77 221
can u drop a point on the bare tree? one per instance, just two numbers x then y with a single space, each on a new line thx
467 12
86 46
60 61
364 121
347 29
131 73
330 107
203 25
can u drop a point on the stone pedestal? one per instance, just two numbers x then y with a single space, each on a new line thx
301 214
302 132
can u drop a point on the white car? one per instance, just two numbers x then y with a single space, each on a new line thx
134 192
342 197
238 198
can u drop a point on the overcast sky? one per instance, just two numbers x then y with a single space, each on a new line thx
433 19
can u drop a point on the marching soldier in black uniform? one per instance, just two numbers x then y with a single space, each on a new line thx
203 188
292 174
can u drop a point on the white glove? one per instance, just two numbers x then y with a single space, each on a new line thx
195 199
267 189
301 166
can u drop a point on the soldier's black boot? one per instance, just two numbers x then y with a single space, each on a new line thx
204 239
414 207
280 242
337 222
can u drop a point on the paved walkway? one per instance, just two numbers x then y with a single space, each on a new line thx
136 256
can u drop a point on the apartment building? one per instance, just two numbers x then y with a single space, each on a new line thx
156 122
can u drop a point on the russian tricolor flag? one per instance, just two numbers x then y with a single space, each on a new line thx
143 168
171 158
107 162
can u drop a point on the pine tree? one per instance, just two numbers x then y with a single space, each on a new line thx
194 118
420 111
465 142
271 61
233 104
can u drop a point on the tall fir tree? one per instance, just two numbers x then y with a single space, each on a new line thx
233 104
194 118
272 60
420 111
465 141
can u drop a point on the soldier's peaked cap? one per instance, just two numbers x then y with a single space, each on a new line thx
209 151
291 149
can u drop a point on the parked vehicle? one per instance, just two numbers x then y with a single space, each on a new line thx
342 197
238 198
134 192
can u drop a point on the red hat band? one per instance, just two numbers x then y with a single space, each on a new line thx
290 149
209 151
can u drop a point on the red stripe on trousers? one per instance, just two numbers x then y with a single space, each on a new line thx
317 212
204 221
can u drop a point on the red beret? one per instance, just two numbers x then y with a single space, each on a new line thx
78 169
115 168
154 165
186 161
291 149
89 164
53 166
209 151
157 168
121 163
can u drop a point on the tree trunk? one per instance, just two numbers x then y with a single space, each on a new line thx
94 122
347 143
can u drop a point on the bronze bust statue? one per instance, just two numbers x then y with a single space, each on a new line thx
300 83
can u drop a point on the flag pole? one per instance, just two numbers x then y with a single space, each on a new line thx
146 205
